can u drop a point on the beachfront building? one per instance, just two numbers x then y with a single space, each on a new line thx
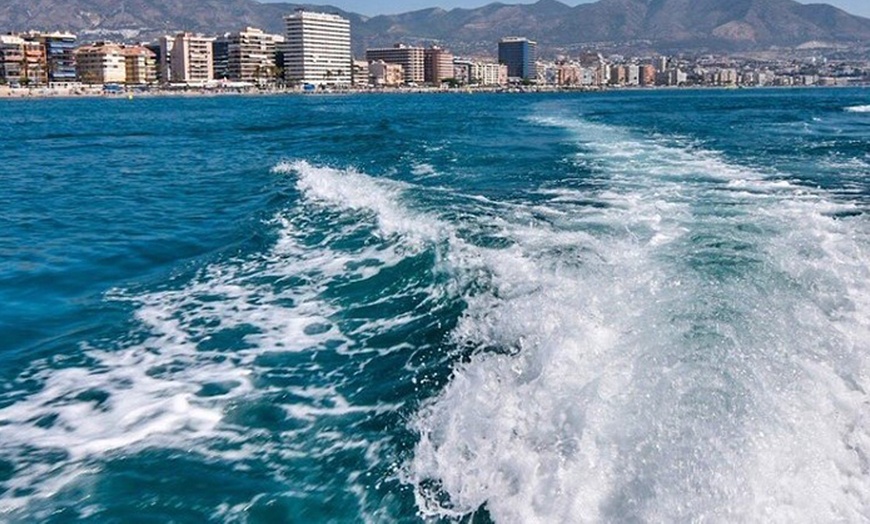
647 75
251 55
520 56
437 65
220 57
480 73
317 49
385 74
34 72
60 58
11 58
141 65
360 73
489 74
162 48
190 59
569 75
633 78
412 60
101 63
618 75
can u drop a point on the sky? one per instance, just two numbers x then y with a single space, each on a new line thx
382 7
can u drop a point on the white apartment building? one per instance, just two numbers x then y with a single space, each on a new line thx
191 59
317 49
480 73
489 73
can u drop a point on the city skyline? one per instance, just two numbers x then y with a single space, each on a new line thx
389 7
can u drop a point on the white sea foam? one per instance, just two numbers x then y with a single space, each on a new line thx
858 109
423 170
178 387
695 349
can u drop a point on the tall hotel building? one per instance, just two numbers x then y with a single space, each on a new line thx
412 60
520 55
317 49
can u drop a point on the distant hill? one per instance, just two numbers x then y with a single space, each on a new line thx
693 24
686 24
148 18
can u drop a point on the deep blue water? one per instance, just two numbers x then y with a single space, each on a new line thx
630 306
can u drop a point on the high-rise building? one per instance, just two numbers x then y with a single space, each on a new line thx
412 60
191 59
520 55
317 49
141 65
251 55
101 63
437 65
59 56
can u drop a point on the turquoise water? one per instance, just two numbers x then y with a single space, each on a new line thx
628 306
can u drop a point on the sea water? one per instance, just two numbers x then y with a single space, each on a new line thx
622 307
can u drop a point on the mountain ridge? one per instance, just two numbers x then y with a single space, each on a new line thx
690 24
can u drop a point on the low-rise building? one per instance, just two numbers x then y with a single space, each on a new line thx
101 63
386 74
360 73
469 72
141 65
412 60
569 75
11 59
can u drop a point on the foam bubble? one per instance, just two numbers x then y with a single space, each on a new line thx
858 109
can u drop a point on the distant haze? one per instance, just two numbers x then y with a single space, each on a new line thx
387 7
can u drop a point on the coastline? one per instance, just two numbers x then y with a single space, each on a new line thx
97 91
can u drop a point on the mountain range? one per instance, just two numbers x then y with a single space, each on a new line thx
669 24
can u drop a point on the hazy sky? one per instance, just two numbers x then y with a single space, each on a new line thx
375 7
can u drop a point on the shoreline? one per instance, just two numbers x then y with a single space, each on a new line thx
42 93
